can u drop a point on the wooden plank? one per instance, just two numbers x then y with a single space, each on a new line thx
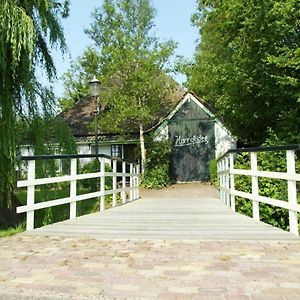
183 212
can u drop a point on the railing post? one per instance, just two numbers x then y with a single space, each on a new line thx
231 174
135 182
131 182
223 181
102 183
124 182
254 181
219 178
292 191
73 188
30 195
114 203
138 181
227 184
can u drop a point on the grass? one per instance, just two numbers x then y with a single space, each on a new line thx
59 213
11 231
53 214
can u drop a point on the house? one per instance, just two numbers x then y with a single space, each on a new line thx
80 118
196 135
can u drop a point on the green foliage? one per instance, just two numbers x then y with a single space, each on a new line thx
247 65
156 177
12 231
157 165
126 57
76 79
27 31
243 183
48 135
93 184
213 173
131 64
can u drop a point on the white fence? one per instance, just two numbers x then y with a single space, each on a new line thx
227 191
131 185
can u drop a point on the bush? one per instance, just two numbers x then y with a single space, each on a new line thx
93 184
156 177
213 175
157 165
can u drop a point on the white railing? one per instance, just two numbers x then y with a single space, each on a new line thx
227 191
31 183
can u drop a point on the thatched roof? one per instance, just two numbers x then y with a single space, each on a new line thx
82 113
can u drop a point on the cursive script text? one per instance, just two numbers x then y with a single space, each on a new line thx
195 139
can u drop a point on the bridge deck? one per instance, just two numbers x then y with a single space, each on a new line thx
189 211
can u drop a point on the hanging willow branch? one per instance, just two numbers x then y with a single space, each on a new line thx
27 31
17 32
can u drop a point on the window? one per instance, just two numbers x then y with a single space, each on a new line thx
116 150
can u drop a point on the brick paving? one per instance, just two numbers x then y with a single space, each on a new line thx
41 267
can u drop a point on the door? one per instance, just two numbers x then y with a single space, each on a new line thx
193 146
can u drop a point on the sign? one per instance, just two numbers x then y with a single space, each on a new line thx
188 141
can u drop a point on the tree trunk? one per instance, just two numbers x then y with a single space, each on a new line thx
8 215
143 149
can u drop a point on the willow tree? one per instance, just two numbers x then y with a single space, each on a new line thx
131 63
27 31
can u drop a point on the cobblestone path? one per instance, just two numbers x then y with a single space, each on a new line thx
39 267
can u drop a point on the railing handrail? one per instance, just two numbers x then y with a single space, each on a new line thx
227 189
69 156
31 182
261 149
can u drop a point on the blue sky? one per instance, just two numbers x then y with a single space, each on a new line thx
172 21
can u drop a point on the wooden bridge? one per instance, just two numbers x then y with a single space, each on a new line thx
184 211
191 211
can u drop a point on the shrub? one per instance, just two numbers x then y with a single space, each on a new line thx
157 165
156 177
213 176
94 183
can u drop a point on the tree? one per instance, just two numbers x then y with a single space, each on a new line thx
27 31
131 63
247 65
76 79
